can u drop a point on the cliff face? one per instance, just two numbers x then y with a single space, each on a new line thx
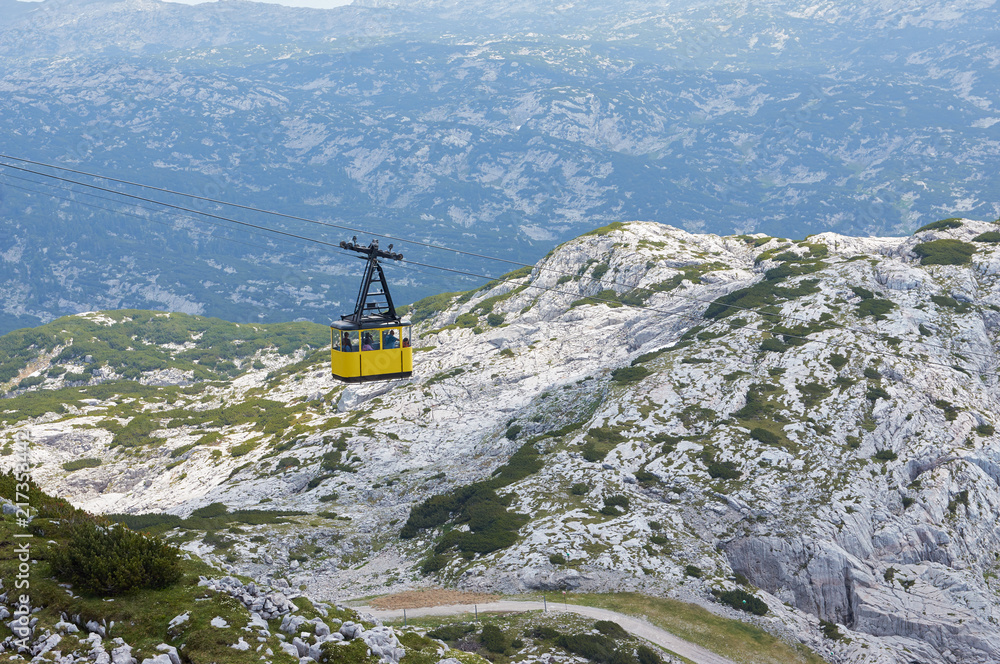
815 416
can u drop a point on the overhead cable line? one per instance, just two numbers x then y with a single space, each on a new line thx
488 277
131 214
736 307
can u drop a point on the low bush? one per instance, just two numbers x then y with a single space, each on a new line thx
885 455
210 510
288 462
724 470
991 237
493 639
837 361
79 464
830 630
579 489
31 381
541 633
611 629
114 560
693 571
436 562
875 308
557 559
764 436
742 600
945 252
628 375
450 632
647 655
944 224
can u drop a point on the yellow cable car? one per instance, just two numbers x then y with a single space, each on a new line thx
372 343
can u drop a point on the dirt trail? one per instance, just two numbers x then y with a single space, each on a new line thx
636 626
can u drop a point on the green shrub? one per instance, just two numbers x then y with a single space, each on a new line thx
557 559
693 571
288 462
872 373
647 655
944 224
885 455
595 647
114 560
494 320
951 303
627 375
773 345
579 489
764 436
78 464
71 377
611 629
961 499
467 320
813 393
985 430
31 381
742 600
493 639
210 510
599 271
433 564
725 470
863 293
450 632
541 633
992 237
945 252
243 449
950 411
875 393
646 478
830 630
329 498
512 431
837 361
136 433
875 308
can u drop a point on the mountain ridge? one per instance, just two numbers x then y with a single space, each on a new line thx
831 441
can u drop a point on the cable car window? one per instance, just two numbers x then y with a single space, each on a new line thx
349 342
390 339
370 340
407 337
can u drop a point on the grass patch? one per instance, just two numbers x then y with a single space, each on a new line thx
729 638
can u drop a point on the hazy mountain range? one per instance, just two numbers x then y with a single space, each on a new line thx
501 127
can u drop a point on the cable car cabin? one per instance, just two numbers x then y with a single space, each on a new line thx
372 343
368 352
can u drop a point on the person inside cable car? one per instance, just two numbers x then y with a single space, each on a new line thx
406 342
390 341
366 341
345 344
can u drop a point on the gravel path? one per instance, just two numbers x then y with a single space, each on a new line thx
636 626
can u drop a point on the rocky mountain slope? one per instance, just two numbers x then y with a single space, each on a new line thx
646 409
503 126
